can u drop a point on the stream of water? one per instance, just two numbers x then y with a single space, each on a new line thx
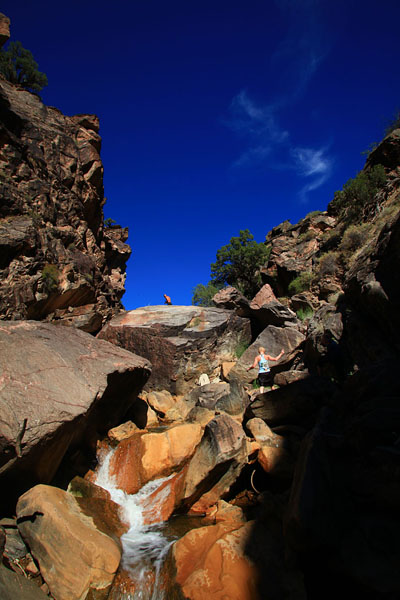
144 546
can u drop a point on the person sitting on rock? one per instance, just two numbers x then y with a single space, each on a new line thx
264 373
167 300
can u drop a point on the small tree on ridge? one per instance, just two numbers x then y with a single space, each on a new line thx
18 66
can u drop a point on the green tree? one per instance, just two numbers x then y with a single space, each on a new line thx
203 294
238 264
18 66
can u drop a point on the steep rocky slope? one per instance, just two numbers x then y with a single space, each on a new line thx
57 260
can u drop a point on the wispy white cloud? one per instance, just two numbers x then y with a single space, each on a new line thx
294 62
314 164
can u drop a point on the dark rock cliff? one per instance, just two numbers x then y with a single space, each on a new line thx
57 260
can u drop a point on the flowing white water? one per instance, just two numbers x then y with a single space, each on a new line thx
144 546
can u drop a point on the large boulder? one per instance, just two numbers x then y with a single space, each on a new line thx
231 299
296 403
182 342
273 339
68 386
216 464
75 557
211 562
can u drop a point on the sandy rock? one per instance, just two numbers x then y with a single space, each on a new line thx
126 430
69 386
226 367
210 562
182 342
73 555
160 401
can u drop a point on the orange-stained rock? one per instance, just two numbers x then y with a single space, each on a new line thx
210 564
147 456
125 464
163 452
74 556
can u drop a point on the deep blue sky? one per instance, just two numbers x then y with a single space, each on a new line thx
216 115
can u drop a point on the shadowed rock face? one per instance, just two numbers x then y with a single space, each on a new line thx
182 342
55 253
68 385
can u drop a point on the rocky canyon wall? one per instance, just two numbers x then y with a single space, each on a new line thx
57 260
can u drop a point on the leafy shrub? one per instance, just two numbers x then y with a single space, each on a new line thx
307 236
304 313
109 222
331 240
313 213
357 199
301 283
50 277
328 263
354 237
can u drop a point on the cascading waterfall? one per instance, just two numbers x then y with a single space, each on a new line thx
144 546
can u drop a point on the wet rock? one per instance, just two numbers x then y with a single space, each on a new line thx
122 432
73 555
182 342
69 386
147 456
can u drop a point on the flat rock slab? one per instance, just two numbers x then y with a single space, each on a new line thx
182 342
67 384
